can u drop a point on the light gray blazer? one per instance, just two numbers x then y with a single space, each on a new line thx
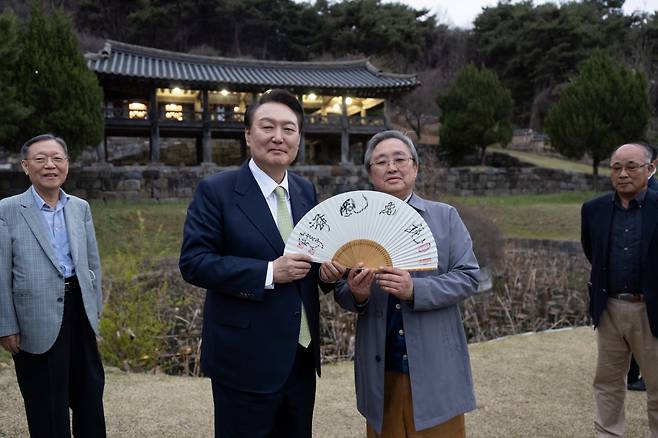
31 286
439 366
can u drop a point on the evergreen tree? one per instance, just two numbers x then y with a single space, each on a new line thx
107 18
605 106
55 81
12 111
476 112
534 49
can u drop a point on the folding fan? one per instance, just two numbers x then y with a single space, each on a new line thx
366 227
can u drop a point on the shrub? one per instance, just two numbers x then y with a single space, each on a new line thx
488 242
132 324
534 289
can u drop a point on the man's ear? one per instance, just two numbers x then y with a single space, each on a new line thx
24 166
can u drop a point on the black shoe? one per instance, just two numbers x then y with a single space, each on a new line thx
638 385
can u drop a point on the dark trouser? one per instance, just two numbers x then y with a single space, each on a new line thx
69 375
633 371
287 413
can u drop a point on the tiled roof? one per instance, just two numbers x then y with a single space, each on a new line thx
165 68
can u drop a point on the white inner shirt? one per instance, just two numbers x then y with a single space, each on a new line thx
267 186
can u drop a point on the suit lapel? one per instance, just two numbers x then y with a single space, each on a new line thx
32 216
298 202
253 205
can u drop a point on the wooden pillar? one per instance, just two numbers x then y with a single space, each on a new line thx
301 154
387 118
198 147
154 116
243 141
345 134
206 146
243 149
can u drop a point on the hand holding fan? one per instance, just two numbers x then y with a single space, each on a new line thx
366 227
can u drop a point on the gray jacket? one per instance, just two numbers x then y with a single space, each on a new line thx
31 286
440 371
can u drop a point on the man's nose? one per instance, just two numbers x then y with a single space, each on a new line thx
50 163
277 135
391 166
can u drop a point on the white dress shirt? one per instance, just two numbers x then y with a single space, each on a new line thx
267 186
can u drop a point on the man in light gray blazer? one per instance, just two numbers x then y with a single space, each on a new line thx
50 297
412 367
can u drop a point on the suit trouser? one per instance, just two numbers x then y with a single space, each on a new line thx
69 375
623 328
286 413
399 414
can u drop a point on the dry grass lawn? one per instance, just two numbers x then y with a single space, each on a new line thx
550 162
526 386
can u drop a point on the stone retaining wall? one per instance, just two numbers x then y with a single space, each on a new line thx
167 182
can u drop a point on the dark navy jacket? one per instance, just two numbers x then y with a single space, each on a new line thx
249 334
596 217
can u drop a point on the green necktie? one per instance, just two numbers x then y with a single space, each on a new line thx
284 222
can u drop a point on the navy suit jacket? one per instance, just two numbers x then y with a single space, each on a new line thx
596 216
250 334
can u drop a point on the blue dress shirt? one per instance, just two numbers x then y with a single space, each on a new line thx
55 224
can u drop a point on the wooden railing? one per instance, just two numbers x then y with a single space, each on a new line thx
318 119
367 121
191 116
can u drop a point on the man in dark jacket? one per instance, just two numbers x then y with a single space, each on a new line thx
620 239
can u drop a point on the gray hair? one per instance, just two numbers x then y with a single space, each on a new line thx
385 135
43 137
649 151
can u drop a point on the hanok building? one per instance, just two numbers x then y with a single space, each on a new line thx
162 95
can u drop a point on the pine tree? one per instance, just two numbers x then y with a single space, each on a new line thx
12 111
605 106
476 112
55 81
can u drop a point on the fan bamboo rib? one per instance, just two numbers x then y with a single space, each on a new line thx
371 253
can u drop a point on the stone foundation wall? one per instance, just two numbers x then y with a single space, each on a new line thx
166 182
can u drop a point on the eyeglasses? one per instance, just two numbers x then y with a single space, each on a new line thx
399 163
630 167
41 161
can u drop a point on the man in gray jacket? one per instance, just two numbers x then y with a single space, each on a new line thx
50 297
412 369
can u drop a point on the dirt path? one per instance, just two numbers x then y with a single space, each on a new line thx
526 386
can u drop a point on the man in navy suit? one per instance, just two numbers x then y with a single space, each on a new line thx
261 330
620 239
